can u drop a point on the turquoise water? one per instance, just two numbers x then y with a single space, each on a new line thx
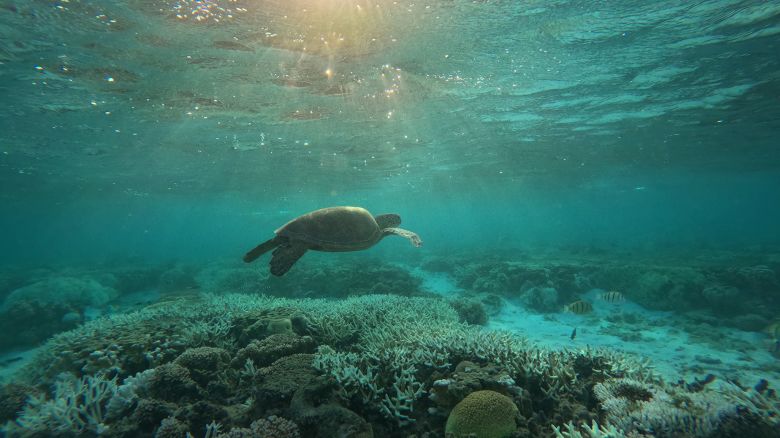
545 152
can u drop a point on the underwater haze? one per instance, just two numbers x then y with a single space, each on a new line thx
595 185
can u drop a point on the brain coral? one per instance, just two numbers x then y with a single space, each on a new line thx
484 414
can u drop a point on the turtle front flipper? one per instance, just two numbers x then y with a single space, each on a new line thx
413 237
284 257
261 249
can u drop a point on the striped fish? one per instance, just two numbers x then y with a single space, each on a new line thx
578 307
612 296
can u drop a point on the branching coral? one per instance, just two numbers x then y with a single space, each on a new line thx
270 427
662 411
391 385
585 431
128 394
124 344
274 427
760 403
384 366
77 406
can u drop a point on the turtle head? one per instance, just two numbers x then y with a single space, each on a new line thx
388 220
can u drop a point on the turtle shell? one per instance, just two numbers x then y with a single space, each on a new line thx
334 229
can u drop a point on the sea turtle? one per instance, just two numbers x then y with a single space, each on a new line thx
328 229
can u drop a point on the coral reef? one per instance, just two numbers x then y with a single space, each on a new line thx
501 278
470 311
237 279
171 427
373 365
279 381
723 300
204 363
672 411
469 377
541 299
67 292
77 406
265 351
270 427
318 413
328 279
718 286
13 398
48 306
172 382
749 322
177 278
669 289
129 278
756 279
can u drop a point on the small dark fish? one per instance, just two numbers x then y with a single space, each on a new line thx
612 297
573 333
698 385
10 360
578 307
761 386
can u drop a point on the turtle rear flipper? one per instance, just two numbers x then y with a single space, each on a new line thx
284 258
262 249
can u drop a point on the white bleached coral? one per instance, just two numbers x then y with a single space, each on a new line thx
381 368
77 406
662 410
394 345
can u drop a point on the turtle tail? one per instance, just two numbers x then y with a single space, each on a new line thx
261 249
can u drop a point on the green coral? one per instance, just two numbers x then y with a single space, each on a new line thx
485 414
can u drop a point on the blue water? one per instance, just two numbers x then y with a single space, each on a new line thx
561 147
732 211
